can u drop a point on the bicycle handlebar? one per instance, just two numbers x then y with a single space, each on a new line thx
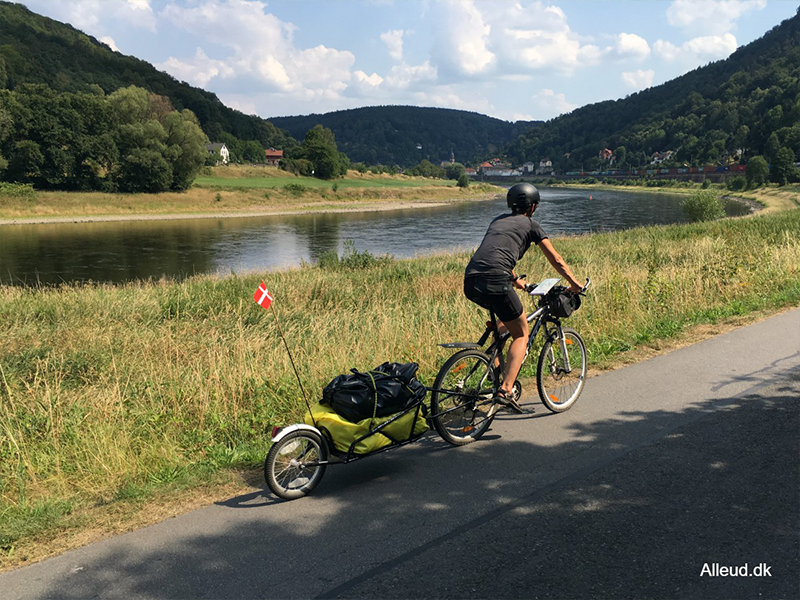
532 286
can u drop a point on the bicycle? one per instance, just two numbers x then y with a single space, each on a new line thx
461 403
462 398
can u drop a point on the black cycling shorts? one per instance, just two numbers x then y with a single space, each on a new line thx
495 294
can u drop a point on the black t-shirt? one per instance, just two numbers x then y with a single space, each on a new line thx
505 242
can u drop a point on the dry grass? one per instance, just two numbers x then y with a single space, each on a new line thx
232 200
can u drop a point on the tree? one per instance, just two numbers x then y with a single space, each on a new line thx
620 154
772 147
454 171
756 171
782 169
253 152
319 148
186 147
144 170
25 163
130 104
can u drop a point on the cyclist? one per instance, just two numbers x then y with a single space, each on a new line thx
490 279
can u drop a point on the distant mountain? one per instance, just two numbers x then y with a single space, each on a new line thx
749 101
404 135
35 49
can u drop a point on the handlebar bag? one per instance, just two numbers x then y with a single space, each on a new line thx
561 301
385 390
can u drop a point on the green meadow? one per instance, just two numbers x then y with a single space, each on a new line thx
266 182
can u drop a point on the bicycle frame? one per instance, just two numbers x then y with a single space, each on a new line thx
541 318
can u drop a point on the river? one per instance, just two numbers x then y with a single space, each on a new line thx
117 252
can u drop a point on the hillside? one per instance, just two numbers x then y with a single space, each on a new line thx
404 135
35 49
748 101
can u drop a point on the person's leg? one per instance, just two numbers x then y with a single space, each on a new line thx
518 328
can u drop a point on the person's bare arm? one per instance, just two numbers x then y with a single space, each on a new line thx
558 263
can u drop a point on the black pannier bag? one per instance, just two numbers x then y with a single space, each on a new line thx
561 301
385 390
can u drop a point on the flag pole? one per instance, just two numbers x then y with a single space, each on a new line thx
296 374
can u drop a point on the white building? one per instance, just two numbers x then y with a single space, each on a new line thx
221 149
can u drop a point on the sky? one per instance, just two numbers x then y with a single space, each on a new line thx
513 60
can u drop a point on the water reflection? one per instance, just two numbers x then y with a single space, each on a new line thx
124 251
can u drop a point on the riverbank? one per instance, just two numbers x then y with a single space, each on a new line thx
229 197
118 398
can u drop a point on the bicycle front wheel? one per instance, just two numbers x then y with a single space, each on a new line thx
292 467
461 401
561 371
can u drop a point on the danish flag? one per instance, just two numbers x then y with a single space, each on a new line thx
262 297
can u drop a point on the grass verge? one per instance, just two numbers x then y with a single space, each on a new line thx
110 396
243 190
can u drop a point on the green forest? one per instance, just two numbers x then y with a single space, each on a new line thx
35 49
724 112
130 140
406 135
731 111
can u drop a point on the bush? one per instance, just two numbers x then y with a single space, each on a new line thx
296 189
352 259
463 181
703 206
737 184
16 190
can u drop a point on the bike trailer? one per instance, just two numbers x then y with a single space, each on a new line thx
367 435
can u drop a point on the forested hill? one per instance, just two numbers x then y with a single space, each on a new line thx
35 49
404 135
749 101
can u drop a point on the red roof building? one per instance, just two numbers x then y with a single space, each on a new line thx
272 156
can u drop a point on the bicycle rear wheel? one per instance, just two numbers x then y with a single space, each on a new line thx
292 467
461 402
560 375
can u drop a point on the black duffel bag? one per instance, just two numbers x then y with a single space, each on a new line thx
385 390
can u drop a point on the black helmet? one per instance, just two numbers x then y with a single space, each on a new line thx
521 197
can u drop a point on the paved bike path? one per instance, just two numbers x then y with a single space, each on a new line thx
687 459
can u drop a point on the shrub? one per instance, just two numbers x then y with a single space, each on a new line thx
352 259
703 206
296 189
463 181
737 184
17 190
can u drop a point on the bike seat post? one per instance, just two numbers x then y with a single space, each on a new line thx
493 325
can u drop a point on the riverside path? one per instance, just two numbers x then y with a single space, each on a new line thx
664 480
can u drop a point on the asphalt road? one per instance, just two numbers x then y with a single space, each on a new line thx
663 475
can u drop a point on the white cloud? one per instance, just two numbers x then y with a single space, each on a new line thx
89 15
548 104
483 39
638 79
197 71
714 17
241 103
261 47
630 46
109 41
537 36
394 43
698 50
461 44
405 76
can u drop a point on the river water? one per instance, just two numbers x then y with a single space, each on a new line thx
124 251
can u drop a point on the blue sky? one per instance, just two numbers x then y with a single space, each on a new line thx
525 60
